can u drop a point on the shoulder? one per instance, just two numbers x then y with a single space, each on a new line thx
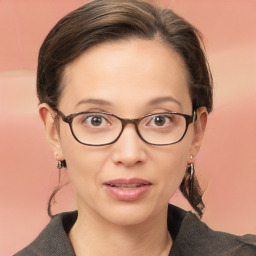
53 240
196 238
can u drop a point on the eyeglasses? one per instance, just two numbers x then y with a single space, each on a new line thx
102 128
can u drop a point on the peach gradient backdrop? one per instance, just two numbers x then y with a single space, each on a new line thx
226 162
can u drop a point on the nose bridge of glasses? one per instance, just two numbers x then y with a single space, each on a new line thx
126 121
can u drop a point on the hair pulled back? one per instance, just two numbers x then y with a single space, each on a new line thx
111 20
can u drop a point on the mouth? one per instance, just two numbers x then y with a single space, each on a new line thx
126 186
127 189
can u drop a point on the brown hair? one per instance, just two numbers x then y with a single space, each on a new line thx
111 20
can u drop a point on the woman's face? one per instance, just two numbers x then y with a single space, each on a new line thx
129 79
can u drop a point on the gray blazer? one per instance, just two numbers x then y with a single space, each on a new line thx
191 237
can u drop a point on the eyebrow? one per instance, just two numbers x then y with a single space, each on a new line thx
163 99
94 101
107 103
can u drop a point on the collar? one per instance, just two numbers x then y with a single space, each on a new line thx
190 235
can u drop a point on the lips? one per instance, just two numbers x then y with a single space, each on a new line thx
127 189
126 186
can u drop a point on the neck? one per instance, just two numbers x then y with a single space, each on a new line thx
92 235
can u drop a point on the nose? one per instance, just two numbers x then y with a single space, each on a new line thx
129 149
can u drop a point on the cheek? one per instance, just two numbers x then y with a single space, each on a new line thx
174 168
84 166
172 164
83 162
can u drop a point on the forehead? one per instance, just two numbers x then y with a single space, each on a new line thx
126 71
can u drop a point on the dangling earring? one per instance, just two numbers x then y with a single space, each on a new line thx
192 171
61 163
191 180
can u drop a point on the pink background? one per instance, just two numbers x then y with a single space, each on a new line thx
225 165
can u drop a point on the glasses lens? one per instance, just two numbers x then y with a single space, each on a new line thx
96 128
162 128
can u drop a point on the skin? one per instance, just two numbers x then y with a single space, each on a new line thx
128 75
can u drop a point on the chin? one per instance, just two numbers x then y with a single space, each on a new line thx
128 214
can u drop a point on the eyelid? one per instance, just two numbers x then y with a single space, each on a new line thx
96 114
164 110
96 110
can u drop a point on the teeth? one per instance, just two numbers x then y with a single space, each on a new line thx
126 185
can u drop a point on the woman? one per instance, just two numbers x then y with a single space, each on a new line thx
124 91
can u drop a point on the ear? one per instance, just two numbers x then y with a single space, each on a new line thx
48 117
199 129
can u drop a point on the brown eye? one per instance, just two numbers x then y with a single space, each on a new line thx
96 120
159 120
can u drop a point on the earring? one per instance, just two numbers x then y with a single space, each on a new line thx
192 171
59 166
61 163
